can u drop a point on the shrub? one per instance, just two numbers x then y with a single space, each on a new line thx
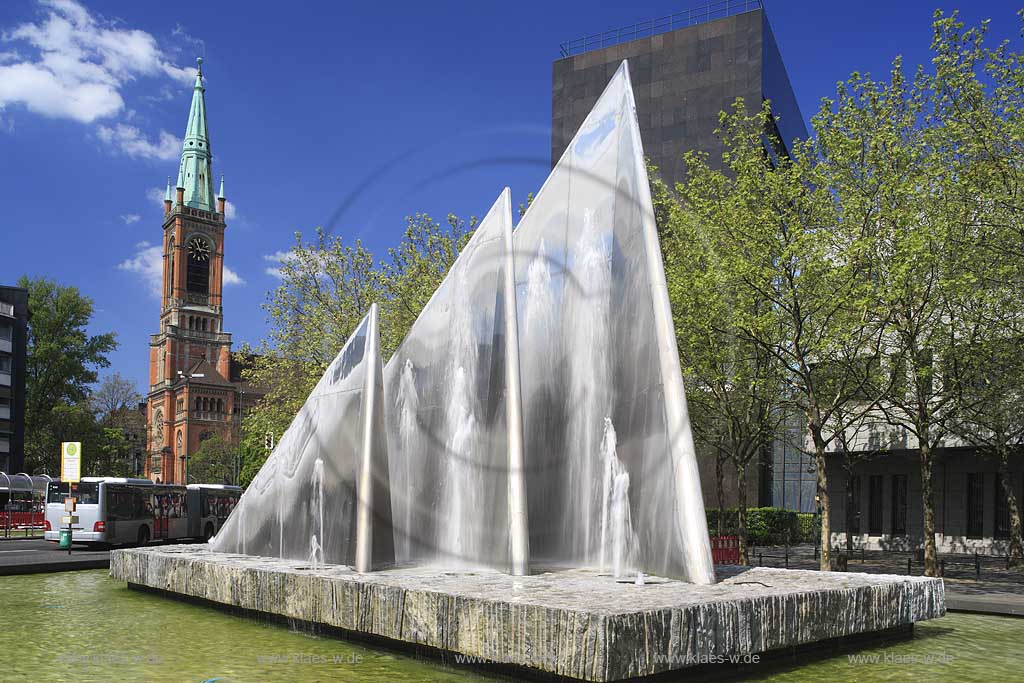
808 532
765 526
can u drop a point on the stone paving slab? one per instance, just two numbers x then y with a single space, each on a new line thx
574 623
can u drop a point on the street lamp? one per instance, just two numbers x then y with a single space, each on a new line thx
184 455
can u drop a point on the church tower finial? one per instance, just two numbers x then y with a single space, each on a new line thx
195 174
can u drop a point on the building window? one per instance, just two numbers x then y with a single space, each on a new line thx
853 514
198 274
6 332
899 505
875 504
1002 529
170 267
975 505
5 363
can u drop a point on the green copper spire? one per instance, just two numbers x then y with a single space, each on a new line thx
220 194
167 195
195 174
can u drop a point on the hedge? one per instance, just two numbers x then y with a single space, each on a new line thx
765 526
808 530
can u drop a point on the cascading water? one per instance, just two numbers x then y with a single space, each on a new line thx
461 431
586 331
539 307
316 551
618 539
408 405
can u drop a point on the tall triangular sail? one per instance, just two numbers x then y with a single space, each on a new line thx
612 472
323 495
453 414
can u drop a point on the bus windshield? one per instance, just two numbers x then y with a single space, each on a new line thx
87 492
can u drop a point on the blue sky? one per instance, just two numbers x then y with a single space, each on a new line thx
384 109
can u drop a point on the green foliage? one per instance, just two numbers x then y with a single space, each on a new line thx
765 526
213 463
326 289
808 529
61 364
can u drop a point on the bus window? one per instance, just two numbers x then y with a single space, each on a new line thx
87 492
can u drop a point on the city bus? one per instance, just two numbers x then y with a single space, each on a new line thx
208 508
126 511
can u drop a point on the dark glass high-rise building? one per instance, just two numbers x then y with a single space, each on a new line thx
685 69
13 348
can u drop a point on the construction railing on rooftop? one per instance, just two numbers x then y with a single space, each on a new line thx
719 9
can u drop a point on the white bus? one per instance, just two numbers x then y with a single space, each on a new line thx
208 508
122 511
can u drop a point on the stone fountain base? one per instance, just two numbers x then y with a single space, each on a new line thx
574 623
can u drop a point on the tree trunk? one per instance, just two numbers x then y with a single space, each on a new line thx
720 491
849 508
1011 504
931 565
741 512
825 558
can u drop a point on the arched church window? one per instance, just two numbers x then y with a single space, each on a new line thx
170 267
177 448
204 324
199 404
220 405
158 428
198 275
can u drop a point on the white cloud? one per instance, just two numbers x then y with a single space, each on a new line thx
71 64
131 141
148 264
232 278
229 211
130 218
277 257
157 195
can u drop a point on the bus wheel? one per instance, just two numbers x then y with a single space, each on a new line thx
208 532
143 535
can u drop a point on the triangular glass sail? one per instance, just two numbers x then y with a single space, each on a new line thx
323 494
453 415
612 476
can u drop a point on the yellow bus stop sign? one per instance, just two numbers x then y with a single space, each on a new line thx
71 461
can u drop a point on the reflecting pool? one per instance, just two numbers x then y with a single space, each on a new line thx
84 626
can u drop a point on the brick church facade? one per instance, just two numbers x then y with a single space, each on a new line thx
195 385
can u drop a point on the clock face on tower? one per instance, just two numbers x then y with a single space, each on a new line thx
198 249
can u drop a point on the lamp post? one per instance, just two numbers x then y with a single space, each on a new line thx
184 455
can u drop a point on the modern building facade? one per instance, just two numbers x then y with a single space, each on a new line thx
13 356
685 69
196 390
875 494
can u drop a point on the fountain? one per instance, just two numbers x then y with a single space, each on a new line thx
494 488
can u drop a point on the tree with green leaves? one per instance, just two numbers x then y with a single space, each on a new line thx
214 462
734 389
62 361
791 281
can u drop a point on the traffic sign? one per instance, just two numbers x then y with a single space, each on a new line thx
70 461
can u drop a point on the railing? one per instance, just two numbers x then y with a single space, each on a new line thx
725 549
195 213
27 522
210 416
719 9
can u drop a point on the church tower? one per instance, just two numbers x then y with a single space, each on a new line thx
191 396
